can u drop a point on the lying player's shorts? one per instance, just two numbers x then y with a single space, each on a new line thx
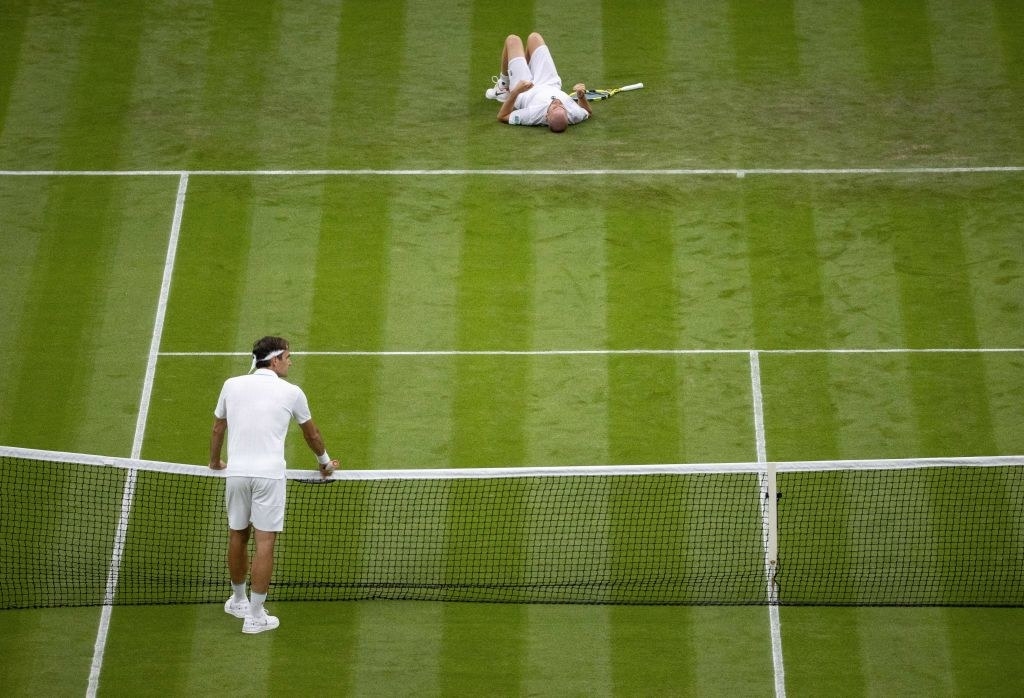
255 500
541 70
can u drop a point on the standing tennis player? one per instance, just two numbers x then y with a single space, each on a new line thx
255 411
530 89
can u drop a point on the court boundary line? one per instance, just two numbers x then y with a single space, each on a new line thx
605 352
128 494
738 172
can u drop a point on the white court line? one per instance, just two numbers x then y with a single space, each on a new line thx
609 352
128 495
669 172
775 625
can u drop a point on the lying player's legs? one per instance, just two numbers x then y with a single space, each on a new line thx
542 65
513 61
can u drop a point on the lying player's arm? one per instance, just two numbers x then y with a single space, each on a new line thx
581 97
509 105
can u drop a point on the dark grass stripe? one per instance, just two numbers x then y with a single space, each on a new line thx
950 391
101 98
985 648
12 35
765 40
1010 31
494 311
63 306
483 656
642 306
635 40
823 651
243 38
799 414
210 266
785 270
371 56
897 39
352 276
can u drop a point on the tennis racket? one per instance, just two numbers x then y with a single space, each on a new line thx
598 95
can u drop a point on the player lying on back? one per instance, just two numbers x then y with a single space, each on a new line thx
535 97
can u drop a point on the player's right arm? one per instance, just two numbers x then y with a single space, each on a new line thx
509 105
220 426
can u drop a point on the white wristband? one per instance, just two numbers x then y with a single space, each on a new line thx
323 458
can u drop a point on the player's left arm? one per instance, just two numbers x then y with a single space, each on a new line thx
581 97
315 441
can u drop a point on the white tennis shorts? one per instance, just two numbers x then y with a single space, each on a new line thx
541 70
255 500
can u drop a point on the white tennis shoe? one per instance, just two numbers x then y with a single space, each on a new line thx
238 609
253 625
500 90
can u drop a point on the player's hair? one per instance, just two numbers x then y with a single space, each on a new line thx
265 346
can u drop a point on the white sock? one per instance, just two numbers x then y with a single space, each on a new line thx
239 590
256 605
503 79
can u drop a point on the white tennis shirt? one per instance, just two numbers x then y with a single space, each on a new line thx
259 408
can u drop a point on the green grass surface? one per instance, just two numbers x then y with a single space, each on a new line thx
368 263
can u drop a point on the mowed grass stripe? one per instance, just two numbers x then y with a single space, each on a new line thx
789 311
937 306
371 53
990 229
35 118
283 227
642 308
414 414
108 65
167 101
351 276
214 240
65 329
1005 380
12 34
21 219
303 69
235 79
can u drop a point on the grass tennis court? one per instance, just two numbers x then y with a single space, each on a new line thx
332 172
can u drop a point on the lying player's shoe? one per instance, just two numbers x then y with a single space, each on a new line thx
253 625
238 609
500 90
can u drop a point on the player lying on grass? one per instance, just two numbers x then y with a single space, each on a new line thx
535 97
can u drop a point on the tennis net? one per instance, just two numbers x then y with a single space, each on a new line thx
88 530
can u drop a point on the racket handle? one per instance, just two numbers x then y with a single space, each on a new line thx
634 86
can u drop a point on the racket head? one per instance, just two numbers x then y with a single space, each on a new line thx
595 95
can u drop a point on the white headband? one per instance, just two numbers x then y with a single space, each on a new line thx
268 357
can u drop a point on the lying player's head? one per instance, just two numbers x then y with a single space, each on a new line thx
558 117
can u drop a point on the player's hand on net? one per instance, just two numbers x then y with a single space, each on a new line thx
326 470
